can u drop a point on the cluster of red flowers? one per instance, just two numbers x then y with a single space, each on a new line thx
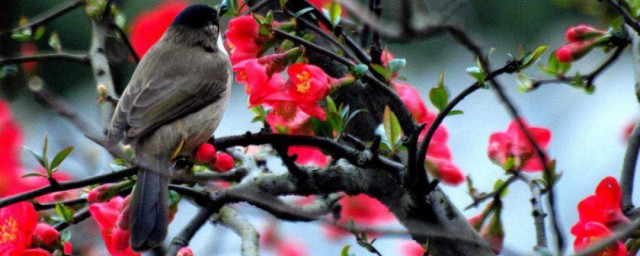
292 101
513 144
22 235
581 39
113 219
598 214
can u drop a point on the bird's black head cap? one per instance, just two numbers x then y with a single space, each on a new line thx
197 16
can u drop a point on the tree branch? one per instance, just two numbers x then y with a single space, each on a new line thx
67 185
242 227
628 18
76 58
183 238
46 18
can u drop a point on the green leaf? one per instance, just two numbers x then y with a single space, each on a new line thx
508 164
335 120
63 154
455 113
477 73
439 97
531 58
525 83
381 70
33 174
260 112
345 250
335 10
359 70
95 8
45 154
54 42
331 104
264 31
8 70
497 185
65 212
39 33
20 37
396 65
392 127
37 156
65 236
302 12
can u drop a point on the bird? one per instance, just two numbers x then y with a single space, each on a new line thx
173 103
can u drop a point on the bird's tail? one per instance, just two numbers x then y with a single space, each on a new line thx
149 208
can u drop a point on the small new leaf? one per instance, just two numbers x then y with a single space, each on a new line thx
33 174
359 70
335 10
496 187
54 42
477 73
65 212
532 57
57 160
455 112
381 70
396 65
392 127
439 97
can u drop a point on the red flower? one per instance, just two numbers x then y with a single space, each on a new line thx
364 210
224 162
307 85
513 143
206 154
10 147
411 248
439 161
300 124
148 27
244 39
108 216
574 51
582 32
589 233
35 182
17 223
67 248
290 248
604 206
258 85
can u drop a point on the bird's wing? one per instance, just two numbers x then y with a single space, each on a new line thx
164 89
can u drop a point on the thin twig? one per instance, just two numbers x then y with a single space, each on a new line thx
183 238
76 58
77 218
67 185
45 18
71 202
628 18
478 200
629 168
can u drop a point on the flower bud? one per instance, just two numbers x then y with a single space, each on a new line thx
224 162
206 153
573 51
185 251
67 248
582 32
46 234
99 194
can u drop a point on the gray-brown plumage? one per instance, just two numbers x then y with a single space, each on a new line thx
172 105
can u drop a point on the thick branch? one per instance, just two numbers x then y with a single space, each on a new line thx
243 228
100 30
183 238
628 18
